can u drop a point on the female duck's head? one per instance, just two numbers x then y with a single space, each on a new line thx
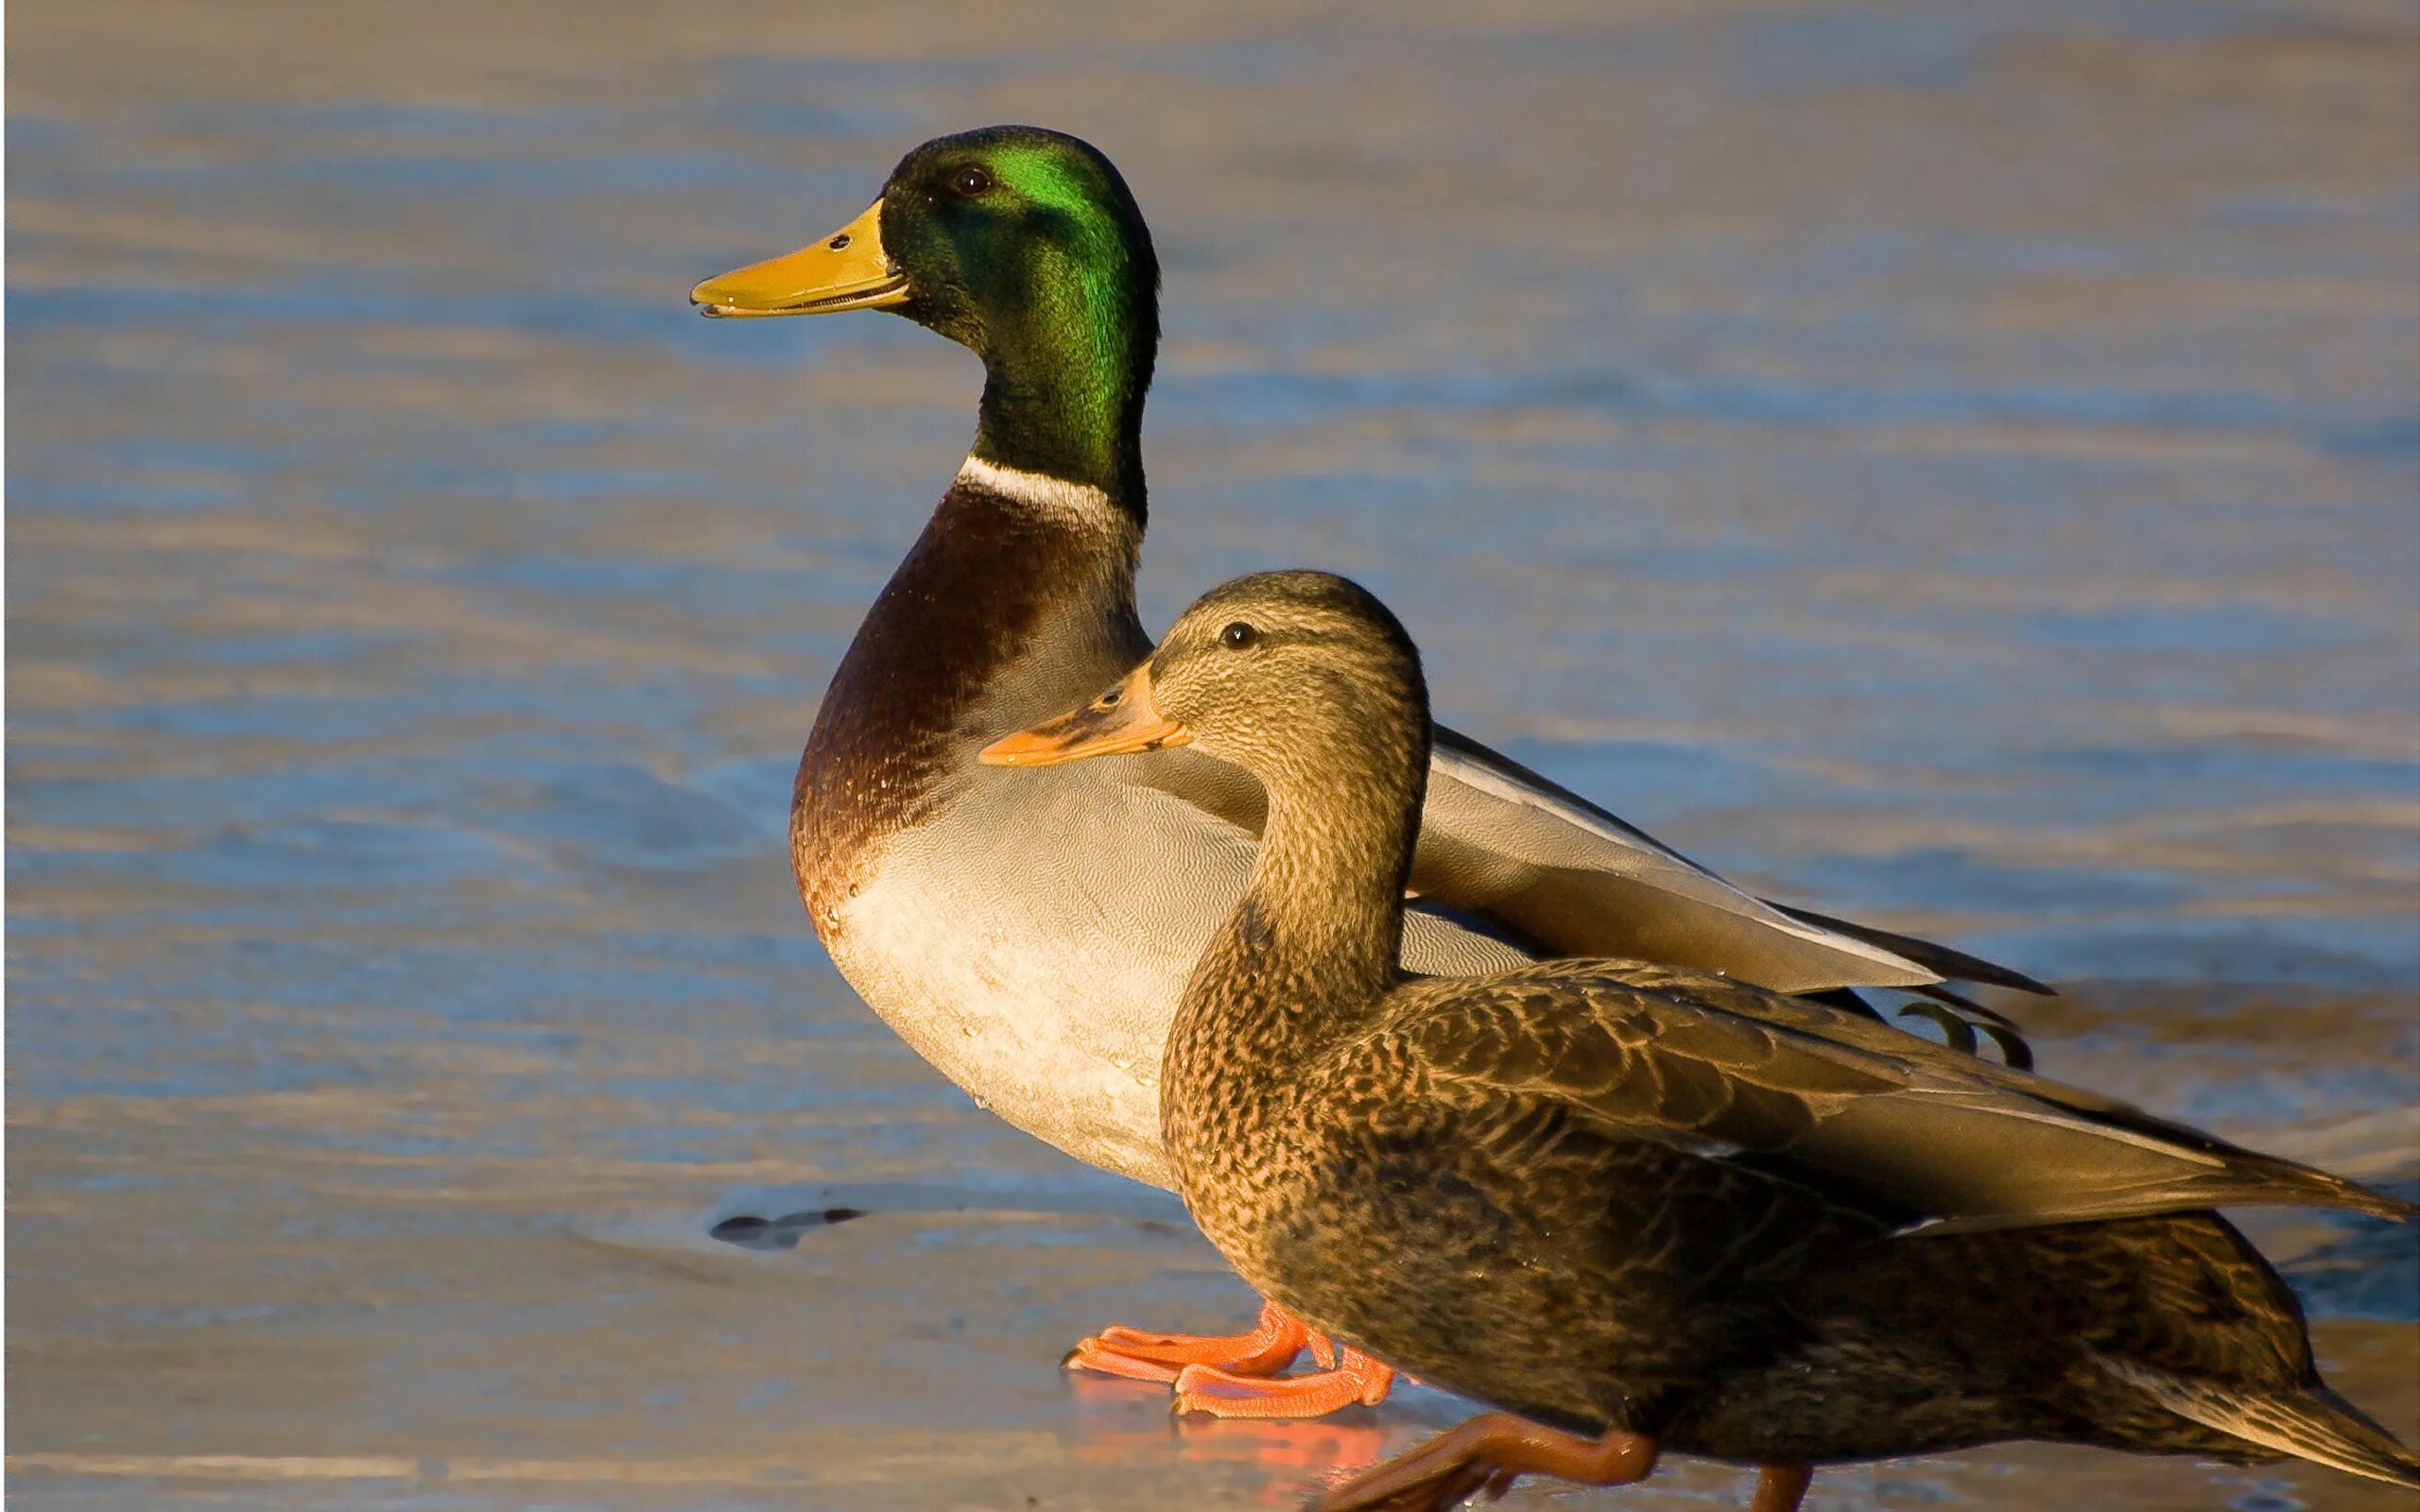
1303 679
1024 245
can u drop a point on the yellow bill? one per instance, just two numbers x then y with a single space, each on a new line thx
847 270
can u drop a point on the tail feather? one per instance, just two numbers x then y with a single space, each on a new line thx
2312 1423
1956 965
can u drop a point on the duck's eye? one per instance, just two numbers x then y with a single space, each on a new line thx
972 180
1238 636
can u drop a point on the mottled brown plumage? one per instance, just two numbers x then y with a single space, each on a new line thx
1652 1204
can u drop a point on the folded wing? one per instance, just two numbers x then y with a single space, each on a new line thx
1912 1131
1501 840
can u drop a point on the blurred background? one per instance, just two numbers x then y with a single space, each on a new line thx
1950 465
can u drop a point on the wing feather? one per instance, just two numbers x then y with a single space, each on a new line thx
1908 1128
1536 862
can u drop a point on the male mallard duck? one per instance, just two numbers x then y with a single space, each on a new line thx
962 902
1649 1208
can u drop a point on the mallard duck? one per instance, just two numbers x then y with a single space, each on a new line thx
963 903
1641 1207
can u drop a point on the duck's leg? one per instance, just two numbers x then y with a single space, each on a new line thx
1487 1453
1348 1377
1781 1487
1273 1345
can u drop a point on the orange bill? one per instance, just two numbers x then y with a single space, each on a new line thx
1121 720
847 270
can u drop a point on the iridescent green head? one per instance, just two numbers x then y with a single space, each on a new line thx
1024 245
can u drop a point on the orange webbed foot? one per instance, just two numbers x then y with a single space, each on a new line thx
1485 1454
1349 1378
1273 1343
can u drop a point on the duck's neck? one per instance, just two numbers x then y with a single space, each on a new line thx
1062 396
1325 897
1315 943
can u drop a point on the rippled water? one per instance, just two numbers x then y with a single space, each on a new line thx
1954 466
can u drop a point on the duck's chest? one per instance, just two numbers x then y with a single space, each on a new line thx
1003 613
1030 937
1249 1120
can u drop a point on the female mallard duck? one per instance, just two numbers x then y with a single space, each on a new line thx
959 900
1649 1208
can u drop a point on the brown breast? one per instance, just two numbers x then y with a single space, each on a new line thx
1001 608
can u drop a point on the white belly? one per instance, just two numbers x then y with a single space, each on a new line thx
1034 951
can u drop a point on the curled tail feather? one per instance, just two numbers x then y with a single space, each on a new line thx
2312 1422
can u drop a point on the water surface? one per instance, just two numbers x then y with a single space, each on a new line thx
1950 466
